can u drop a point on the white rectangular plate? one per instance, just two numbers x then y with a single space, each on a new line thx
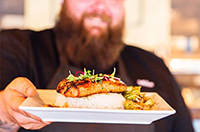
34 105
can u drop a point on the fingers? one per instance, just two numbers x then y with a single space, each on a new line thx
29 123
26 120
16 92
23 86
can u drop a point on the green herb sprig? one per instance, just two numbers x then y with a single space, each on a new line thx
94 77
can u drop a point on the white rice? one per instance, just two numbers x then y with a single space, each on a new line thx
97 101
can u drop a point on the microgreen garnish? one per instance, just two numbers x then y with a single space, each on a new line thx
78 72
71 77
94 77
113 74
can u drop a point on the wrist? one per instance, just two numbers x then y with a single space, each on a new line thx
5 126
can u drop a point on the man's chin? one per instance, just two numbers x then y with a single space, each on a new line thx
95 33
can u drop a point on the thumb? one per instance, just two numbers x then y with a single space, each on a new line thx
23 86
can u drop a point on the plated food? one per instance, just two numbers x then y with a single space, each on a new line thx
100 91
35 106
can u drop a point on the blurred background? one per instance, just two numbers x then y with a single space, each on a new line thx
168 28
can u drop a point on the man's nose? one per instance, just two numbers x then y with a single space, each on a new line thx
101 6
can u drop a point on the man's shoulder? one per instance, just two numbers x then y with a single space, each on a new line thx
26 36
23 32
26 39
138 52
14 33
133 55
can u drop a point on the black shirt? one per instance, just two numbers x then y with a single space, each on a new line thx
35 55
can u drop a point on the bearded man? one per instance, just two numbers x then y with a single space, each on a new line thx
88 35
91 36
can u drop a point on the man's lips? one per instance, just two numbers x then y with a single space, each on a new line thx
97 17
95 21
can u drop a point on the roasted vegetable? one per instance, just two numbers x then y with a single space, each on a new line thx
136 100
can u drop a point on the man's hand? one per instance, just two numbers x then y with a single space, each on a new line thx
11 98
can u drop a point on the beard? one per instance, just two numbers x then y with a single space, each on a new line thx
84 50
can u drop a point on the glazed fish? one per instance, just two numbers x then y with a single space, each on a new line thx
87 84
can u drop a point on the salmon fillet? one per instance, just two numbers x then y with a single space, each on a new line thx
87 86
